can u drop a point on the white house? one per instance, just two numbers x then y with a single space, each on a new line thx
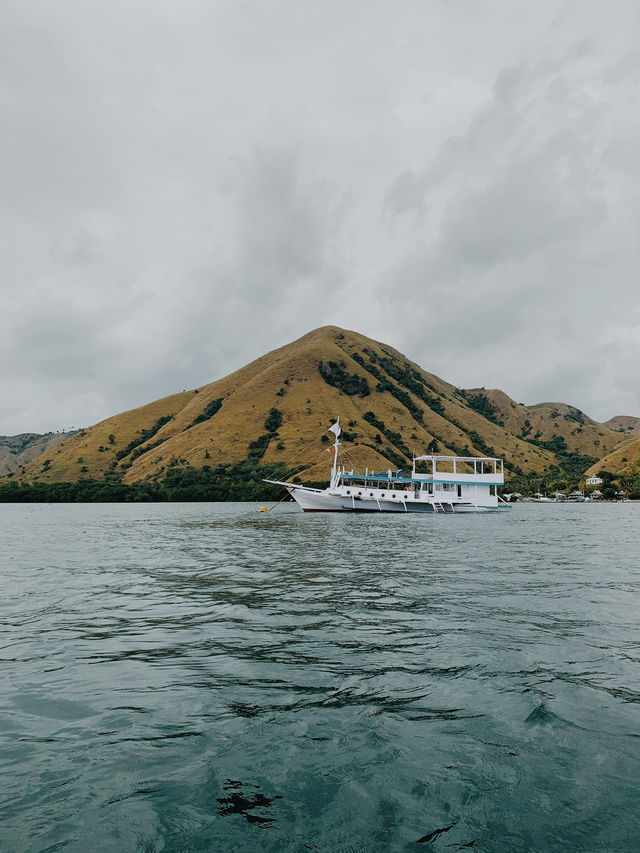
593 481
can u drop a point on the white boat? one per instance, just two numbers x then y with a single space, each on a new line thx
452 484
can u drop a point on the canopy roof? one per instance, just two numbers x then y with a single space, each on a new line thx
456 459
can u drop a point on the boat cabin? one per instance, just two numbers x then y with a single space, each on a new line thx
447 479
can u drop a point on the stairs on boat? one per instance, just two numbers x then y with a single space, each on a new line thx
439 506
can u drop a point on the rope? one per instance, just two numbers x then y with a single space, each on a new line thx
295 456
271 509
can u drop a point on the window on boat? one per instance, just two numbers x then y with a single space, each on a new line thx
370 494
348 491
382 495
359 493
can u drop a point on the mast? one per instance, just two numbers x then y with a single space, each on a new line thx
335 429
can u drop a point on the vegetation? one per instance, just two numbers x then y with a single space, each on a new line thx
273 421
573 464
394 437
143 435
526 428
210 410
351 384
481 404
240 482
562 441
390 454
258 448
408 378
575 415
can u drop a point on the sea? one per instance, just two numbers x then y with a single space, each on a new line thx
178 678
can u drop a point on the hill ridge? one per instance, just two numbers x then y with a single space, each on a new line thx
390 408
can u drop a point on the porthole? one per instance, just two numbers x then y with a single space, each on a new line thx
359 493
393 496
348 491
382 495
370 494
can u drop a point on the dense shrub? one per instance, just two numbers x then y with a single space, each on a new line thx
394 437
209 411
481 404
143 435
258 448
336 375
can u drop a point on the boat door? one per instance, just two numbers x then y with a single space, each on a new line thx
416 490
459 491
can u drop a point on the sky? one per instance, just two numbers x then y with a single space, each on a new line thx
187 185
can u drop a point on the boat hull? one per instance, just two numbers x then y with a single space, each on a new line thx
313 500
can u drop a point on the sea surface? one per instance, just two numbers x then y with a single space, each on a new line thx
205 677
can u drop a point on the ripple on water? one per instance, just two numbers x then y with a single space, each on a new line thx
204 677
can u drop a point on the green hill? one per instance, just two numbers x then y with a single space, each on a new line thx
272 414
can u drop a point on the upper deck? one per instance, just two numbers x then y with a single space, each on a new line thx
461 469
478 470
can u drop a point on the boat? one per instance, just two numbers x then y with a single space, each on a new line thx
451 484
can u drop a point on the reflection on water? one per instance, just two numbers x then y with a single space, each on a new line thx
201 677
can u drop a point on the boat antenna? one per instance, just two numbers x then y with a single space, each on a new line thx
335 429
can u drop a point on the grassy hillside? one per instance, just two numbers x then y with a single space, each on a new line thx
625 459
625 424
274 412
545 423
17 450
93 453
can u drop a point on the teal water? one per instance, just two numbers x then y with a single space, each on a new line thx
203 677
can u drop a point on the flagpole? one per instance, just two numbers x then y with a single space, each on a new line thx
335 429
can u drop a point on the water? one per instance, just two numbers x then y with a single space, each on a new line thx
203 677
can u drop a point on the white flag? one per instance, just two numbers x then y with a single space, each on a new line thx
335 429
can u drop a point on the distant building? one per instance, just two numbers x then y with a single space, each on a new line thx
593 481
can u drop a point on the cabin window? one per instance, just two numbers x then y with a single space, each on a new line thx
348 491
359 493
459 491
370 494
393 496
382 495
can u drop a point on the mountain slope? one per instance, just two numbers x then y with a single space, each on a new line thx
624 423
625 459
92 452
17 450
547 422
274 411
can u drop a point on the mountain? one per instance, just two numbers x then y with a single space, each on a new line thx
625 424
624 460
17 450
554 425
274 412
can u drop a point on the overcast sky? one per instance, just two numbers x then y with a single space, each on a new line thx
185 185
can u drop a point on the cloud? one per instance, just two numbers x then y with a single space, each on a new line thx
185 187
523 273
